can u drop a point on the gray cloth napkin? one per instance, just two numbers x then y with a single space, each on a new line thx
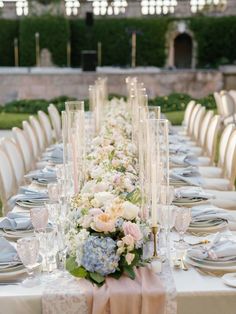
28 194
190 193
8 252
43 175
189 175
221 249
184 160
16 221
54 155
207 212
178 148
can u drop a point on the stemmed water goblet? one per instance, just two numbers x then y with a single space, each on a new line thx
28 251
182 222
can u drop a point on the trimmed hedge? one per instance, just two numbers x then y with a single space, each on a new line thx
216 39
54 34
116 40
8 31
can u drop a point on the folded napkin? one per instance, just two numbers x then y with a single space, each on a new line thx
27 194
221 249
184 160
176 139
43 175
55 146
16 221
208 212
55 155
192 193
8 252
178 148
189 175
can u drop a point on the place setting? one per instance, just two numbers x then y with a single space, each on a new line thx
190 196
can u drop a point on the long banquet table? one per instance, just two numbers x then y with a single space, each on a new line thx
196 294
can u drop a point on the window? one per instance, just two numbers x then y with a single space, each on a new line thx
72 7
207 5
103 7
159 7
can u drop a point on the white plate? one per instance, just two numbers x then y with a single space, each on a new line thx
226 269
209 229
12 274
27 205
190 203
230 279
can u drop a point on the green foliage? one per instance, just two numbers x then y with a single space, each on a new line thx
54 34
9 120
8 31
45 2
179 101
33 105
216 40
114 34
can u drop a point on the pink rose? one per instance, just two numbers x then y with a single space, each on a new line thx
95 211
132 229
128 240
129 257
103 223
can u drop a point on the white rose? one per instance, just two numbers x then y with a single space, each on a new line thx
88 187
104 197
96 172
130 210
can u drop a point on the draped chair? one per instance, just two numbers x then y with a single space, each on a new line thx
39 133
226 183
228 107
8 185
46 126
218 171
29 131
15 157
187 118
194 114
25 148
55 120
218 101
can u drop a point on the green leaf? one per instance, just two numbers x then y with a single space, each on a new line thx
97 278
129 272
79 272
71 263
116 275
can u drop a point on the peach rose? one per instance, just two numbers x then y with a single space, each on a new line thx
116 209
132 229
103 223
129 257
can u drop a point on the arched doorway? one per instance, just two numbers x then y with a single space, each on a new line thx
183 47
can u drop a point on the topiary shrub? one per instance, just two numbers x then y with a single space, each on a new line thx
54 34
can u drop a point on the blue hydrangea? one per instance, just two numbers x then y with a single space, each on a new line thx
99 255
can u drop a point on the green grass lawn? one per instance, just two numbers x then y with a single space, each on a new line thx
9 120
175 117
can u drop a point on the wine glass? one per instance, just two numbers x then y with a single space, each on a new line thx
182 221
39 217
54 210
53 192
28 251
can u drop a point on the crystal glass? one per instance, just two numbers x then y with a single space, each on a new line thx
53 192
48 247
28 251
182 222
54 210
39 217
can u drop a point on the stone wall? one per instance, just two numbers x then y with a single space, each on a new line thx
47 83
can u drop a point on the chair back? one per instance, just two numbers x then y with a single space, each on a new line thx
192 119
39 133
46 126
29 131
56 120
188 112
197 123
212 134
232 93
25 148
15 157
228 105
7 181
230 160
218 101
224 142
204 128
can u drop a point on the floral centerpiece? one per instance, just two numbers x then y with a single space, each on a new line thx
107 235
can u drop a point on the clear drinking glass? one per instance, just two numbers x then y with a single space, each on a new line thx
53 192
39 217
28 251
182 221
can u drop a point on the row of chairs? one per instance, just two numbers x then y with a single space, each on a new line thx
226 105
22 152
202 129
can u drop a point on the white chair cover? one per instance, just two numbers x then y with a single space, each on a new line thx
56 120
197 123
224 141
192 119
218 101
228 105
39 133
7 180
204 127
46 125
188 112
29 131
230 159
15 157
25 148
211 137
